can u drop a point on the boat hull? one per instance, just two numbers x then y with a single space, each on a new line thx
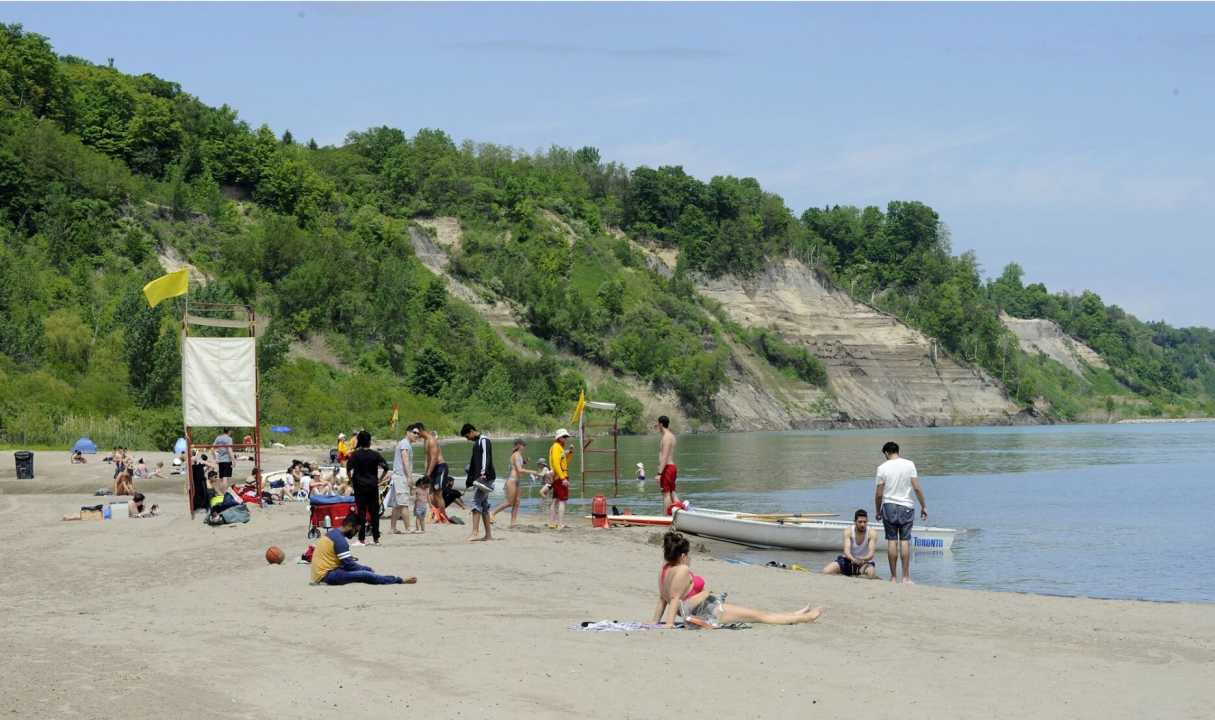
817 535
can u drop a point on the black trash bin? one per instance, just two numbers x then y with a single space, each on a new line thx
25 464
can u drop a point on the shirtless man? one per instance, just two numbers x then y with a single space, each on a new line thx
436 468
666 465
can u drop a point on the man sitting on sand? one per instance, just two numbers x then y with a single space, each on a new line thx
123 484
332 563
860 545
78 458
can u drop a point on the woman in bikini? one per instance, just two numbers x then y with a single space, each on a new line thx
683 596
517 461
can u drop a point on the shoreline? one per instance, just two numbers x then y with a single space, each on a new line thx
72 483
161 598
829 425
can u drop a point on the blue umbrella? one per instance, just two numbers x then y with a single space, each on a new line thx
85 445
179 447
280 428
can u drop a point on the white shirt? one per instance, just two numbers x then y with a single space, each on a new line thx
402 458
897 475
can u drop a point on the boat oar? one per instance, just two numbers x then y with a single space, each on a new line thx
783 516
787 521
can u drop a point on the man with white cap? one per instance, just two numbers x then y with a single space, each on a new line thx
559 463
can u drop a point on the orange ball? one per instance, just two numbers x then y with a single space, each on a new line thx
275 555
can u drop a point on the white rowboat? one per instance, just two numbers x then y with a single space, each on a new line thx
805 534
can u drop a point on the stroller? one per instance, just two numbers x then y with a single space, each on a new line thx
333 508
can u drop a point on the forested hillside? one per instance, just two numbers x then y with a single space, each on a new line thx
107 178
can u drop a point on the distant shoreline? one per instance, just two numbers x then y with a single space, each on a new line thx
500 435
1150 421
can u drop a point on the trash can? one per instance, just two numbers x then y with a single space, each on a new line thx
25 464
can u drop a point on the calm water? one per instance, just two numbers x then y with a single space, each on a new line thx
1114 511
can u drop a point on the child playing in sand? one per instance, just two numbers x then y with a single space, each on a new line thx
421 503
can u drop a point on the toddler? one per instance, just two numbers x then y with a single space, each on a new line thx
421 503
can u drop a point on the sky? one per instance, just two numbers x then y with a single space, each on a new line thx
1074 139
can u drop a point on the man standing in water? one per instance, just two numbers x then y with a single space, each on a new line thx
667 471
481 476
896 479
436 469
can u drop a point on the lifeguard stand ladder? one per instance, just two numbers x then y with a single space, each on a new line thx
219 380
613 429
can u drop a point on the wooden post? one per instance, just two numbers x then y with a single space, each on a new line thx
616 453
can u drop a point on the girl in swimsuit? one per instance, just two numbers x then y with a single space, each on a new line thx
683 596
517 461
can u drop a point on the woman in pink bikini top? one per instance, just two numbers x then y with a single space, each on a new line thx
683 597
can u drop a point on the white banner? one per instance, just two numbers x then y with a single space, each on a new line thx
219 381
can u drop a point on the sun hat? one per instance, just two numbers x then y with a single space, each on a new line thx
341 436
561 433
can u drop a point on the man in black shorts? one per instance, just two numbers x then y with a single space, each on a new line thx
436 469
362 467
223 455
860 545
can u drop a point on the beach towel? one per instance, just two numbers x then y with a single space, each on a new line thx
623 626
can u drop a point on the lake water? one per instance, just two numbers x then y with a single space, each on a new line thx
1111 511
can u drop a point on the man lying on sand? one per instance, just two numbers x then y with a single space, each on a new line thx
332 563
684 597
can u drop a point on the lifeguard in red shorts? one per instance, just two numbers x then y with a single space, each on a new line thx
667 472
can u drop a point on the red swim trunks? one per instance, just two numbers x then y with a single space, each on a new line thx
561 490
666 480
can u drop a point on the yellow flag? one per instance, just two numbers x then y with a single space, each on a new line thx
579 407
396 414
167 286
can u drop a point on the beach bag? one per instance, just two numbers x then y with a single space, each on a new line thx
235 515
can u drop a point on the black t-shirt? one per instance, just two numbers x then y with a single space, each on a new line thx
365 466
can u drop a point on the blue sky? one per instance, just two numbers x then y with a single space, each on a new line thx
1074 139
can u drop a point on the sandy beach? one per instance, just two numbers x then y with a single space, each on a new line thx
166 617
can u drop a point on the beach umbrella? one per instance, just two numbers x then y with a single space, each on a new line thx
85 445
179 447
